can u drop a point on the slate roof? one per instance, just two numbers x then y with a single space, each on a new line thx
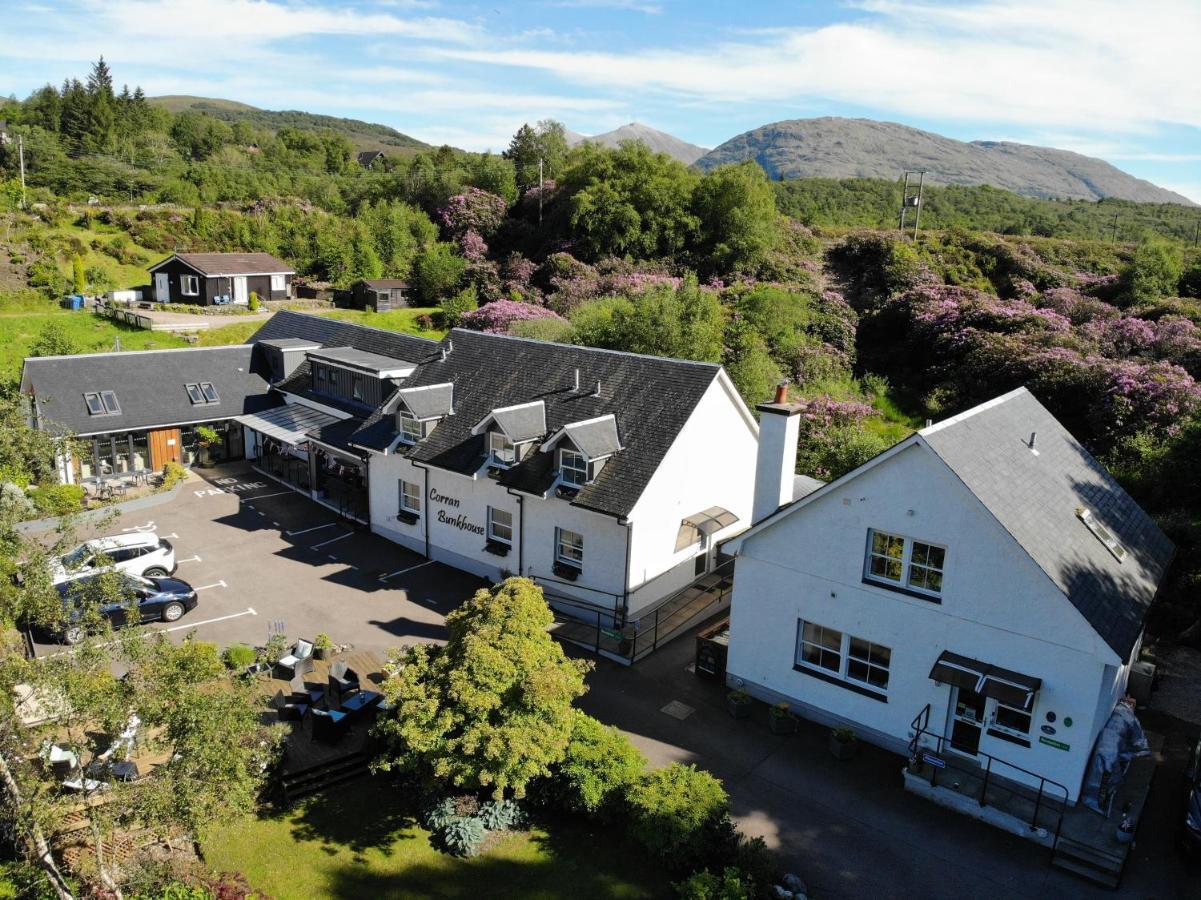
338 434
231 263
359 359
429 402
595 438
1036 498
651 398
149 385
332 333
385 284
520 423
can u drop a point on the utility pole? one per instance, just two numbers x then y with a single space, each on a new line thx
21 155
540 190
917 218
904 195
909 199
1113 233
1196 231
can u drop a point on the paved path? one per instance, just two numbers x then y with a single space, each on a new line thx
849 828
178 321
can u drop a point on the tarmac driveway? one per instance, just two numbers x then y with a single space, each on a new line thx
264 558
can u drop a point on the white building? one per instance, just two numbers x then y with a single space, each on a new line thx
985 574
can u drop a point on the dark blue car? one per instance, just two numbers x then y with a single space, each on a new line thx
157 599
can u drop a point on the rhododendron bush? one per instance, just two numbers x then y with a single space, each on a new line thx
496 317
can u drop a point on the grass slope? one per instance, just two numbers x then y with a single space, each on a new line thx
359 841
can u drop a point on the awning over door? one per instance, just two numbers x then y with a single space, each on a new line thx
1008 687
710 521
288 424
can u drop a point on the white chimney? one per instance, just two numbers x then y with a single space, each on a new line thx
775 467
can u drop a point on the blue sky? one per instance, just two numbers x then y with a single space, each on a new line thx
1109 78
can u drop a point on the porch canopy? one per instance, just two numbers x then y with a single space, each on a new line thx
1008 687
288 424
708 522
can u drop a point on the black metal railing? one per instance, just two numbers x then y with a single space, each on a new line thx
1049 791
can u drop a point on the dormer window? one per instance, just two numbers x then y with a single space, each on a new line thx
511 431
581 450
414 430
502 452
573 468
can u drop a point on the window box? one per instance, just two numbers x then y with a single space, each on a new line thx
408 518
497 548
562 570
739 704
566 492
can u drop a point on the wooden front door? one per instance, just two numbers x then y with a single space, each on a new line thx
165 447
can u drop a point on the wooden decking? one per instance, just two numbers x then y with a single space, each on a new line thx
303 753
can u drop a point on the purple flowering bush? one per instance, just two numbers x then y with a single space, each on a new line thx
497 316
473 210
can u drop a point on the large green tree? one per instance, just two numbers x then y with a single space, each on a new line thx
492 709
736 210
545 142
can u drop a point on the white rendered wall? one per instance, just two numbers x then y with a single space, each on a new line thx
997 606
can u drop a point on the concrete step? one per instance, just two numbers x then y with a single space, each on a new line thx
1089 862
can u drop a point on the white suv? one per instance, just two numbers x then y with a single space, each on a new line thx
142 554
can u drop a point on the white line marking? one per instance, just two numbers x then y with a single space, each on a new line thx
276 524
261 513
331 556
190 559
246 612
340 537
307 530
205 587
171 535
428 562
265 496
149 526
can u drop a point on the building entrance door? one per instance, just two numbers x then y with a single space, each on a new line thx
241 295
164 447
965 720
162 287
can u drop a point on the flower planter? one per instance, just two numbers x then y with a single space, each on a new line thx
843 749
786 724
322 652
739 709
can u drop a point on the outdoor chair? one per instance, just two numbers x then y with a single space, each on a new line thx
287 709
62 762
303 650
302 693
329 725
343 681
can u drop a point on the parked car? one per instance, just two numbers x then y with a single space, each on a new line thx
1190 832
158 600
144 554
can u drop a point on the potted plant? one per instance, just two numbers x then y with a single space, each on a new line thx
843 743
1125 832
207 437
782 719
738 703
322 645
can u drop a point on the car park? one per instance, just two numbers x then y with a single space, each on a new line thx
138 553
156 599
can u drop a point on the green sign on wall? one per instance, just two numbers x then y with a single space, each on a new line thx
1058 745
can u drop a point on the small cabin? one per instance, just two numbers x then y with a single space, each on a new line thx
216 279
379 294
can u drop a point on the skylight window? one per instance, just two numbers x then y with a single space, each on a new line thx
1103 534
95 405
102 403
111 406
202 393
194 394
210 393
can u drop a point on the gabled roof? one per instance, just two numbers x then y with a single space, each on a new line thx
1036 494
231 263
519 423
430 402
367 157
384 284
149 384
651 398
332 333
594 438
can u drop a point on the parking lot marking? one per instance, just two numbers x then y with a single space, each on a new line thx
307 530
190 559
340 537
171 535
149 526
428 562
248 611
205 587
265 496
261 513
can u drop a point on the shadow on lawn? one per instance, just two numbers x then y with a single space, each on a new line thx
371 813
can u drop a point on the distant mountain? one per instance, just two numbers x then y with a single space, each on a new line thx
833 147
363 135
659 141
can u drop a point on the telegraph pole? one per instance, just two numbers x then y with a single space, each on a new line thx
904 197
912 199
917 218
540 190
1113 234
21 155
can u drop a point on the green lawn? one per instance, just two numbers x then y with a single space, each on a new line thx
404 320
357 841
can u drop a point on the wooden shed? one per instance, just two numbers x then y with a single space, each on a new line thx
379 294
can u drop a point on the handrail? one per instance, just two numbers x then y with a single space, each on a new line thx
920 726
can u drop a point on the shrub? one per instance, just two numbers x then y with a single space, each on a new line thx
453 308
253 302
496 815
323 642
173 474
732 884
499 316
600 764
57 499
238 656
440 813
463 835
674 811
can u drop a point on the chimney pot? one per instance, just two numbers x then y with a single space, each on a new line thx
781 392
1033 435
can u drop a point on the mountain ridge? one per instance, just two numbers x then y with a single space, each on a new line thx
659 141
834 147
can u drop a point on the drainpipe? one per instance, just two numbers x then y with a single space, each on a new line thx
520 531
425 505
625 597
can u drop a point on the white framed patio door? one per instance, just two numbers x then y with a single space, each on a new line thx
241 295
162 287
965 720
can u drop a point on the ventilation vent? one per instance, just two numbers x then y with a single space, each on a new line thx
1103 534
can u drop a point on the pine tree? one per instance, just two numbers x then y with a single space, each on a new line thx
74 117
100 80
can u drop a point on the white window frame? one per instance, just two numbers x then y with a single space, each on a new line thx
356 388
493 524
94 404
867 662
408 422
990 717
279 282
909 565
186 281
573 543
846 641
574 468
410 500
500 446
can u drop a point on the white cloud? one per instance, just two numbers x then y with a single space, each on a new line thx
652 9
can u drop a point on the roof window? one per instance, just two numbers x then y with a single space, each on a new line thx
102 403
1103 534
202 393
